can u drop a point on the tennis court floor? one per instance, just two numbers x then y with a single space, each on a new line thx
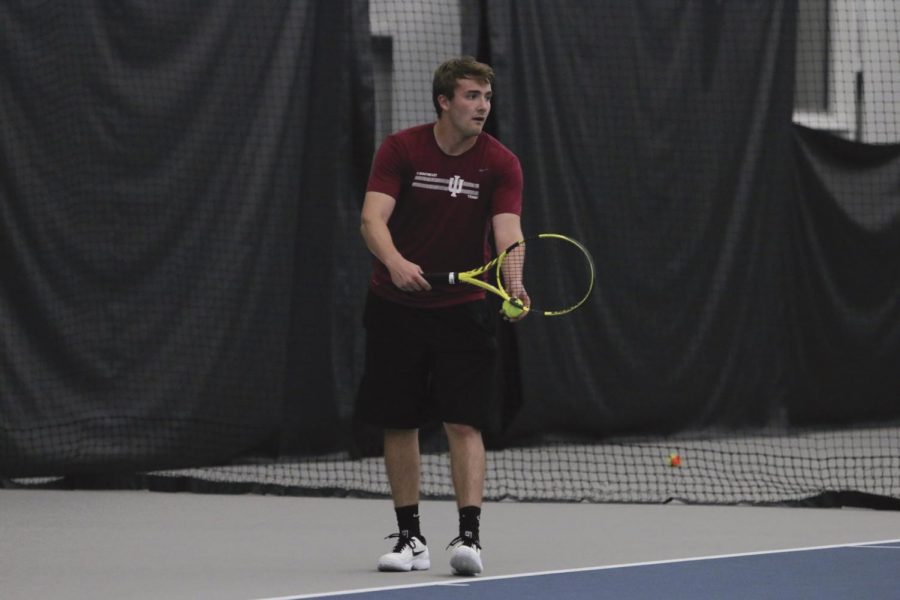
135 544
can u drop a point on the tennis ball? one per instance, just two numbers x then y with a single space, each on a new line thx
512 308
674 460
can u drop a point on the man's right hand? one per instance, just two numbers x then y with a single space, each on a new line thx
407 276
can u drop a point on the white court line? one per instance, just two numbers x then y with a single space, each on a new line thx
872 544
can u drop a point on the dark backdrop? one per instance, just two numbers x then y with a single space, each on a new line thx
844 284
659 133
177 190
182 271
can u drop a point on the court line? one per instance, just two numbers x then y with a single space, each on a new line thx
873 544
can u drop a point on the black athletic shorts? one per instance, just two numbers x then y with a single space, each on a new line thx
426 365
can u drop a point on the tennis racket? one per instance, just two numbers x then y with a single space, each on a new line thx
558 275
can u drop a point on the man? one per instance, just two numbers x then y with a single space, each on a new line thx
435 193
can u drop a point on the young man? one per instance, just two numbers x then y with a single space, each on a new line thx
436 194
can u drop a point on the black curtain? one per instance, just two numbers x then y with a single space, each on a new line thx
325 352
657 132
844 257
175 183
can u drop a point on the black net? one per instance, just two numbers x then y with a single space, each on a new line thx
183 278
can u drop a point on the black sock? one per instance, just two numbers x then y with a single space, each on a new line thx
469 519
408 520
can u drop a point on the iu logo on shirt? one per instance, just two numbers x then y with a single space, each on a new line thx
455 185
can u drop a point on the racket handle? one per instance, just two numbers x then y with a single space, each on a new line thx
441 278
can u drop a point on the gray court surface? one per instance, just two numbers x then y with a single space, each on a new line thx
134 544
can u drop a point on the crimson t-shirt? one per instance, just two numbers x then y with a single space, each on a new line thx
443 210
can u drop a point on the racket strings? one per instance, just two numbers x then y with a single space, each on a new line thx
558 274
512 271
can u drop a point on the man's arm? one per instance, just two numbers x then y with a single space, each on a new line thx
376 211
507 231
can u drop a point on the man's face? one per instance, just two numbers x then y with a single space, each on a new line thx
469 107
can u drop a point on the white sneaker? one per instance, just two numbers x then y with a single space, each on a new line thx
409 554
466 557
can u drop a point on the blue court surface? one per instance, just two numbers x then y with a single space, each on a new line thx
869 571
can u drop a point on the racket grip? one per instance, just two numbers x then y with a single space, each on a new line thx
441 278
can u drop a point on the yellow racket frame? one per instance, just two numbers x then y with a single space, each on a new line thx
472 277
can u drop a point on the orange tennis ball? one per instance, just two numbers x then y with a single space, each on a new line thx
674 460
512 308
